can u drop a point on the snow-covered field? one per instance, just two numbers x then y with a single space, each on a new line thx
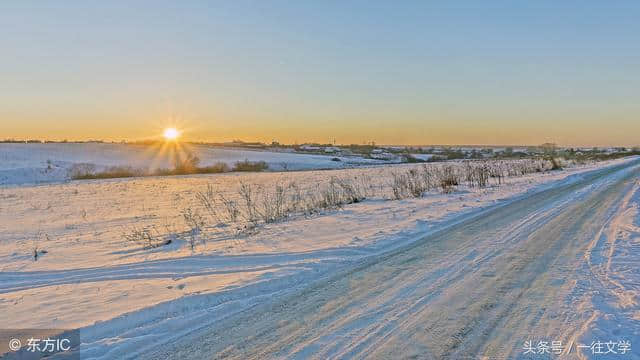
39 163
127 298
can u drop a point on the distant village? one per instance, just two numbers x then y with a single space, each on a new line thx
433 153
398 154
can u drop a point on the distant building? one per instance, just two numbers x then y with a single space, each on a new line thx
380 154
309 148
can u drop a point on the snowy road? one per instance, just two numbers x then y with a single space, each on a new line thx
544 267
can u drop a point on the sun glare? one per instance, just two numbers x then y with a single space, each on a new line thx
171 133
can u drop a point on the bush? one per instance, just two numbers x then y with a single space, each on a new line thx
412 159
448 179
247 165
88 171
555 164
148 236
118 172
82 171
188 165
218 167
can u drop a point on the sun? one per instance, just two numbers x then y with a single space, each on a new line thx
171 133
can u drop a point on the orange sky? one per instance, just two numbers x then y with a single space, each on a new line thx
353 72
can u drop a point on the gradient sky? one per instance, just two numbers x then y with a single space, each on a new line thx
408 72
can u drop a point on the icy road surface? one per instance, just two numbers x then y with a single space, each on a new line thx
559 265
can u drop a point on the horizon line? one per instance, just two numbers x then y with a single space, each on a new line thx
238 141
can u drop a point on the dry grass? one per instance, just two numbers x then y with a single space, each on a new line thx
251 205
